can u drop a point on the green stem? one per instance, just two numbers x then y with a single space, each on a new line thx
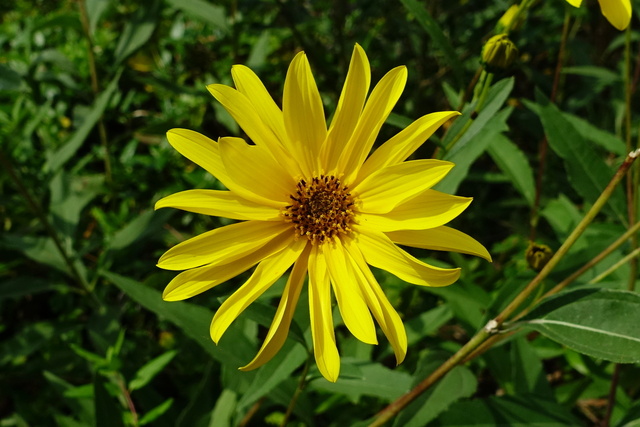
301 384
494 325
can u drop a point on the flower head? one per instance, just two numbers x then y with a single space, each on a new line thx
617 12
309 199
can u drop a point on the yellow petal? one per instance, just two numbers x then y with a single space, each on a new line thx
249 84
222 245
345 119
382 100
324 340
245 114
219 203
427 210
379 251
304 114
353 309
265 275
440 239
279 328
385 189
254 174
617 12
575 3
382 310
200 150
195 281
401 146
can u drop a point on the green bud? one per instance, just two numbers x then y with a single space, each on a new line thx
538 255
499 53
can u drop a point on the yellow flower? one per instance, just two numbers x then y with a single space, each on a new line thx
309 197
617 12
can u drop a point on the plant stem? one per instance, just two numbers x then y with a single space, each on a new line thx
615 245
39 212
95 87
493 325
301 384
544 144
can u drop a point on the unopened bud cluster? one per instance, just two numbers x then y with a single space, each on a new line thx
499 53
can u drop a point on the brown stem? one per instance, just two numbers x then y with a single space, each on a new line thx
543 148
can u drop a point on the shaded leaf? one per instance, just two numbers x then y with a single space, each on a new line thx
514 164
203 11
440 40
58 158
138 30
108 411
234 349
587 170
150 370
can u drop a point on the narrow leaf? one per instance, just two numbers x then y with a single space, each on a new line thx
57 159
588 172
514 164
150 370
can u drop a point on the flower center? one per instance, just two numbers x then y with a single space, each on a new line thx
321 209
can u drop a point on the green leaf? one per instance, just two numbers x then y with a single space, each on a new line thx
234 349
223 411
10 80
156 412
455 385
58 158
440 40
496 98
588 172
203 11
22 286
512 411
150 370
288 359
138 30
108 411
601 323
375 380
514 164
69 196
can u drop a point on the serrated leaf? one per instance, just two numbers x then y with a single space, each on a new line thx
514 164
152 368
601 323
587 170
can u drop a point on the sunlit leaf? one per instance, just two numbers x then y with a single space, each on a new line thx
601 323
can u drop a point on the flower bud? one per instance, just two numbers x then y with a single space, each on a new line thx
499 53
538 255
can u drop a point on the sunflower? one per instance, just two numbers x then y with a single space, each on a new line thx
617 12
308 197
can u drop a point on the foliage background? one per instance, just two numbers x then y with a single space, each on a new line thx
85 338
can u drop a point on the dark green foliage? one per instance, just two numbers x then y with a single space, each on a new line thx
85 338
